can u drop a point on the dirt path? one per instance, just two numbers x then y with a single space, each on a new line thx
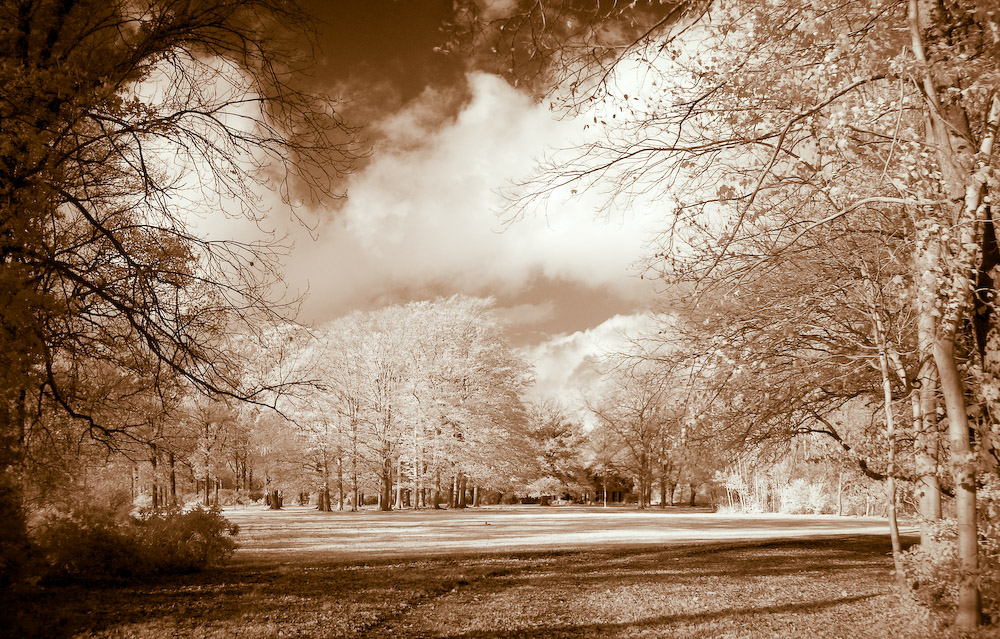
305 534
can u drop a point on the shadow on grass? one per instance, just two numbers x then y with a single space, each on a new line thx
599 629
388 589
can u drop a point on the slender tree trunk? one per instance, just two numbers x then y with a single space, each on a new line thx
436 491
385 493
925 425
355 497
965 482
340 481
173 479
462 487
475 496
399 484
154 488
840 494
324 492
418 475
890 426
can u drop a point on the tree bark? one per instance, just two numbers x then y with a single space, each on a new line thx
436 491
173 480
154 489
385 492
963 460
399 484
462 487
340 481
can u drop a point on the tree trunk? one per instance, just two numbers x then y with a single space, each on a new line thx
356 501
663 486
462 487
340 482
840 494
969 610
925 425
385 489
208 490
452 486
173 480
963 178
890 426
475 496
154 489
274 500
436 491
399 484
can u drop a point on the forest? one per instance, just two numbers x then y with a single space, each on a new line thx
823 337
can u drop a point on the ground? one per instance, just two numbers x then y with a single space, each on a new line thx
518 572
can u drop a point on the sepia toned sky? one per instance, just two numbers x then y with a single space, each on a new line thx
421 216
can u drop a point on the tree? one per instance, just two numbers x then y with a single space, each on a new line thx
558 447
758 118
420 389
637 411
121 123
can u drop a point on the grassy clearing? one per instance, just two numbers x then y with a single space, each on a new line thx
830 587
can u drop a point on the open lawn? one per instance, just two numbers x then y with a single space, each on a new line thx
516 572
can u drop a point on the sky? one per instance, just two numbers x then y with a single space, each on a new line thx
421 216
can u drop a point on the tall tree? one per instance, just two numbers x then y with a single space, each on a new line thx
121 122
766 119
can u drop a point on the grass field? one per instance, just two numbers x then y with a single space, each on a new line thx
523 572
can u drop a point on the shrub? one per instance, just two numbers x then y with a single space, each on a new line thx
177 541
90 544
801 496
933 572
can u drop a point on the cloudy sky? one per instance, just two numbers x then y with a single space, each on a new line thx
421 216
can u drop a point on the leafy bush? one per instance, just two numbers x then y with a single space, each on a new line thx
91 544
177 541
933 572
802 496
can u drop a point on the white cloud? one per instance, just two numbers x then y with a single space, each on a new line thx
422 215
567 367
526 314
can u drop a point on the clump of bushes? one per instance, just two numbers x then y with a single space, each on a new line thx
95 544
933 572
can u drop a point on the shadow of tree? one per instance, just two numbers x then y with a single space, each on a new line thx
384 593
583 630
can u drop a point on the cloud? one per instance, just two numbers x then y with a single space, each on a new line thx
421 215
526 314
567 367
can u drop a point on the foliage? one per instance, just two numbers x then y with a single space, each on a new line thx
556 464
94 543
933 569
